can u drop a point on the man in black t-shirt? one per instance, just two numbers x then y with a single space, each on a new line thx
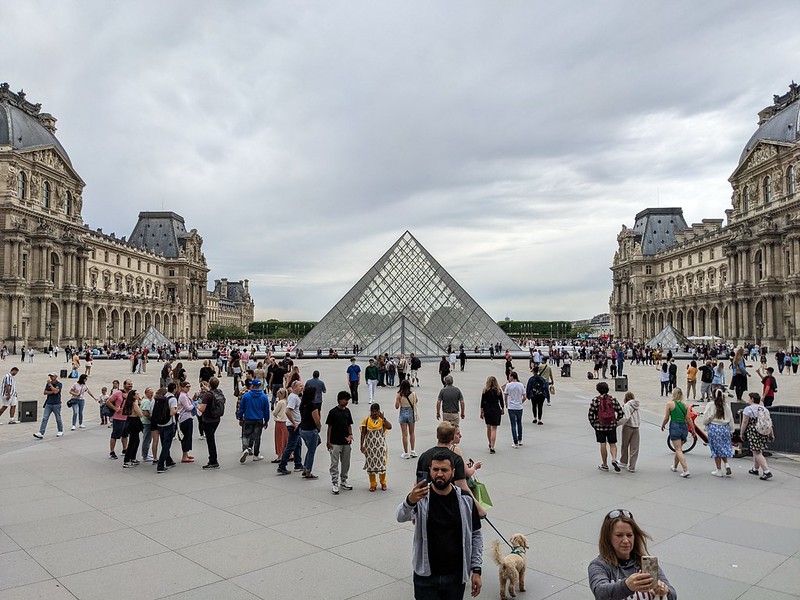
448 541
340 441
706 377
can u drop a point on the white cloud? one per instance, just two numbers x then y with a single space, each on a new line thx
301 140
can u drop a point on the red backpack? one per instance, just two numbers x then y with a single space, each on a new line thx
606 415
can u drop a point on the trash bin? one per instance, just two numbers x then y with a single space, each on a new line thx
27 410
620 384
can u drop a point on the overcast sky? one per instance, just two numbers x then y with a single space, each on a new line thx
301 139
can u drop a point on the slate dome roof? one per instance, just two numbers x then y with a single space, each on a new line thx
779 122
23 127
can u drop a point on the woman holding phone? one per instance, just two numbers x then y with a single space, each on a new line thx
617 573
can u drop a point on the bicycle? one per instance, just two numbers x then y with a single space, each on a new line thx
691 442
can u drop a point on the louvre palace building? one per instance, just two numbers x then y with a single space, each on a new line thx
63 283
736 278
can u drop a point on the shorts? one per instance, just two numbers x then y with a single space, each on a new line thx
10 401
452 417
406 415
603 436
119 429
678 431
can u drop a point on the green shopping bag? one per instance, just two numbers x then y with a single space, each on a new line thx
480 492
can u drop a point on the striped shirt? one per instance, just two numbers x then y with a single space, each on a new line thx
9 380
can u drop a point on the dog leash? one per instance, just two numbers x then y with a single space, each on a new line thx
498 533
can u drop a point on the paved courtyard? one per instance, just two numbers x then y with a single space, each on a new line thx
74 524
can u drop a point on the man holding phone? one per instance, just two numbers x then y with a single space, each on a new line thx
448 541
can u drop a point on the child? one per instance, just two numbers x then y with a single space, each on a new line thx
373 445
102 402
279 418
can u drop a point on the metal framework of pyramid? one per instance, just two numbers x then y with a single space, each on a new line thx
670 338
149 338
407 302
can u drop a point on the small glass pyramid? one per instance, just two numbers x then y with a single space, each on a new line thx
670 338
406 302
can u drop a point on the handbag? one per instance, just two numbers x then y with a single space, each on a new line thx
552 390
480 492
69 403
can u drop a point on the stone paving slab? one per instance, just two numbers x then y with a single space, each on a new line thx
70 518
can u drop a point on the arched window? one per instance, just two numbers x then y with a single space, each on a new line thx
68 208
54 268
759 264
22 186
790 186
767 185
46 194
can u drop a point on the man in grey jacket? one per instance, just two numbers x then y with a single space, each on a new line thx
448 541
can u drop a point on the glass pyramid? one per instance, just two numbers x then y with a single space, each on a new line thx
150 338
670 338
406 303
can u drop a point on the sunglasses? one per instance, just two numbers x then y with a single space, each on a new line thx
616 514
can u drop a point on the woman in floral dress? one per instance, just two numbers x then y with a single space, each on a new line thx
373 446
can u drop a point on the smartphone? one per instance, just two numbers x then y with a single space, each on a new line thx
422 476
650 566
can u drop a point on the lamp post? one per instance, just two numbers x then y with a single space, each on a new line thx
14 329
49 326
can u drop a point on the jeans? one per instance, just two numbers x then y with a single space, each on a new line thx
295 444
620 364
186 429
515 416
310 438
77 411
251 436
439 587
354 391
340 454
211 429
165 435
390 378
147 439
49 409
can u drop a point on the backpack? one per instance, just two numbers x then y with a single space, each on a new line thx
764 422
216 406
159 414
589 375
606 415
392 367
538 387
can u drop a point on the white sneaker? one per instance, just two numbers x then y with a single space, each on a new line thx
514 446
245 454
405 455
82 426
413 454
716 473
59 434
13 422
38 435
685 474
674 469
259 457
73 428
335 489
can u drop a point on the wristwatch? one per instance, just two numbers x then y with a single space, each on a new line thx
476 570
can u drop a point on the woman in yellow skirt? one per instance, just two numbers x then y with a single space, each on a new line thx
373 446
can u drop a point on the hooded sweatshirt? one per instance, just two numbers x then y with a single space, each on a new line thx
254 406
631 411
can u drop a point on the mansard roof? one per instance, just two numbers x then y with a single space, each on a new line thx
779 122
160 232
23 126
655 229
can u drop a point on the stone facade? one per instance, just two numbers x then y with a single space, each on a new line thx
63 283
230 304
740 280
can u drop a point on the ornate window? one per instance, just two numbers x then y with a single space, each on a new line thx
68 207
22 186
711 253
700 256
759 264
767 186
648 270
746 199
24 265
54 268
46 193
790 186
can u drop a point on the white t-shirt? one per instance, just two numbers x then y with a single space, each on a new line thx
293 406
515 393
